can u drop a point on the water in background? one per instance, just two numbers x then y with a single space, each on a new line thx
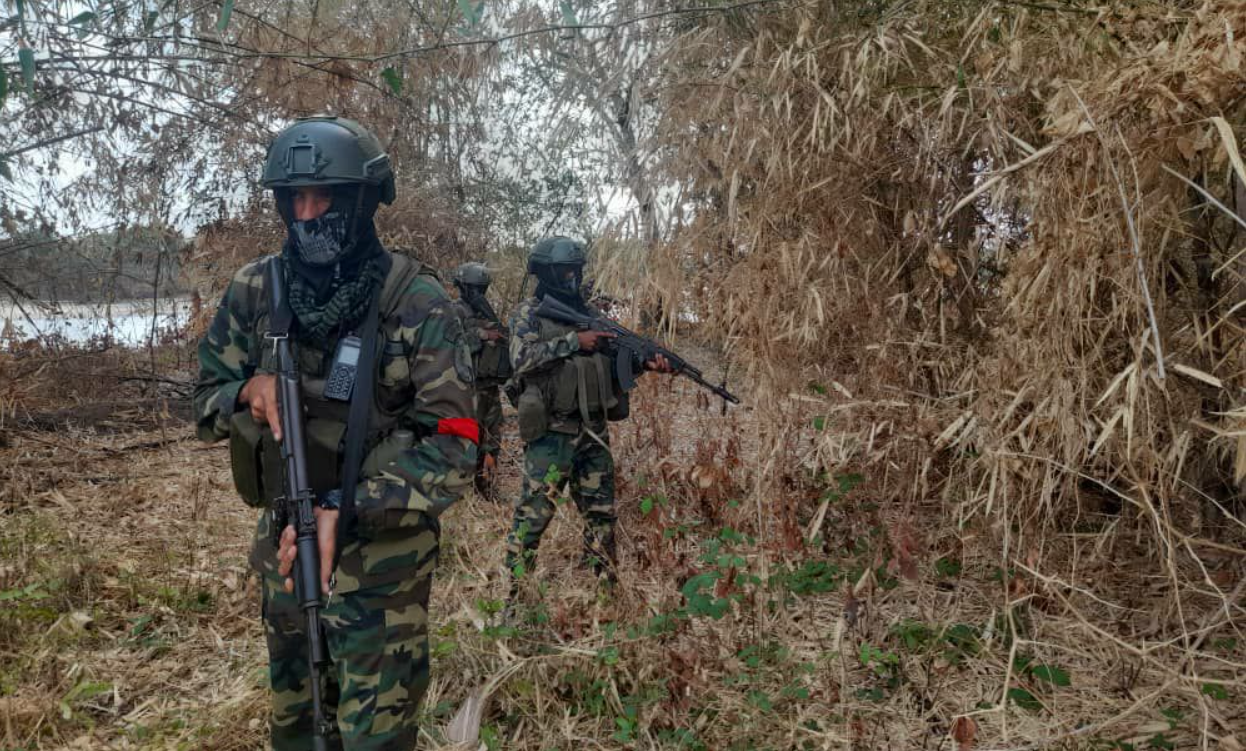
127 322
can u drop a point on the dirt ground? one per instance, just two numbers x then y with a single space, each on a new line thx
128 618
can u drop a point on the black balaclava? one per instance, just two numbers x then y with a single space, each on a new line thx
333 261
553 280
472 294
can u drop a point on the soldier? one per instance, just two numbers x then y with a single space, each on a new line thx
328 176
566 396
488 340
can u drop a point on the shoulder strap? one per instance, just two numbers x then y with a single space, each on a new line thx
357 422
280 316
404 271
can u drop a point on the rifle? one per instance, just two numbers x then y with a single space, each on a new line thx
296 502
629 349
481 306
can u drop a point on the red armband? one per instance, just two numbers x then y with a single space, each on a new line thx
463 427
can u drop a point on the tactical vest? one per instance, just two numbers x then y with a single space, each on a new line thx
492 363
255 456
578 390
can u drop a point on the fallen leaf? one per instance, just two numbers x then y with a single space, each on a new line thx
964 729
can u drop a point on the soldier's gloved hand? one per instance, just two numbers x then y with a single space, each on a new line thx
589 339
659 364
326 534
260 393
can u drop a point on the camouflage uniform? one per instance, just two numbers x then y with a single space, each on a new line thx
573 449
488 388
376 623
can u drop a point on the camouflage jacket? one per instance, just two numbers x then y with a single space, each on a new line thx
578 388
484 356
424 379
532 354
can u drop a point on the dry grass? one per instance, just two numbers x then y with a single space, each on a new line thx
130 621
994 343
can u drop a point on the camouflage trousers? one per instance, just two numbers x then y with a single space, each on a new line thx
378 641
489 417
551 462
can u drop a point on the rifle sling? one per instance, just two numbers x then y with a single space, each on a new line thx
280 316
357 424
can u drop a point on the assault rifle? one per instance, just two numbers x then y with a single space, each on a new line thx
296 504
480 304
629 349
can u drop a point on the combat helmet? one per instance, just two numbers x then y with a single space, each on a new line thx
326 150
472 275
558 263
344 157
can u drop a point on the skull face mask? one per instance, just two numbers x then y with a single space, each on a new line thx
322 241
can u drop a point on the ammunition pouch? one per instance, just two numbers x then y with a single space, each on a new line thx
493 363
383 454
583 388
255 457
533 414
256 482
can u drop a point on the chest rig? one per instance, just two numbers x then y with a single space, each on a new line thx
577 391
256 457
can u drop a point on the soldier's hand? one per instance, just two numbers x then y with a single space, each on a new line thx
490 335
326 534
260 393
591 338
659 364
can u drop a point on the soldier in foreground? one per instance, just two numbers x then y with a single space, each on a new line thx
566 396
387 443
488 341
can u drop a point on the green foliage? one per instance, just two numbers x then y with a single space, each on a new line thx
1174 716
472 13
761 700
490 737
26 57
626 726
913 634
702 603
680 738
28 593
948 568
885 667
1024 699
227 10
1052 674
1215 691
811 577
82 692
648 502
553 476
393 79
962 640
1160 741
